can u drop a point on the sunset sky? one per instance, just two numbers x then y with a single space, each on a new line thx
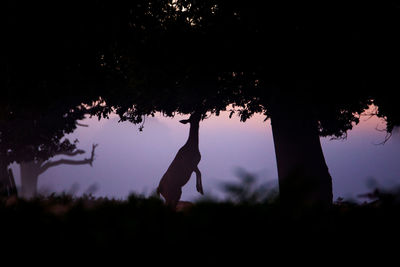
128 160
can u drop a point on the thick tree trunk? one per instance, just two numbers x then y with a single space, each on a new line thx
29 179
304 179
4 180
7 183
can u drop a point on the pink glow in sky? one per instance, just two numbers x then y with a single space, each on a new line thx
132 161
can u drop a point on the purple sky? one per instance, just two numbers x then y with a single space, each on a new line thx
131 161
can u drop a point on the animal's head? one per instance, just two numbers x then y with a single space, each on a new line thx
195 117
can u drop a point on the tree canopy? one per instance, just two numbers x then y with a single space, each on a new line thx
330 60
145 56
317 65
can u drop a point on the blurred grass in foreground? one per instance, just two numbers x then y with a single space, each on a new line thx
208 231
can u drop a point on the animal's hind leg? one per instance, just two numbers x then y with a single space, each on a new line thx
174 198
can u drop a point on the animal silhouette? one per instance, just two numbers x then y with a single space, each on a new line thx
183 165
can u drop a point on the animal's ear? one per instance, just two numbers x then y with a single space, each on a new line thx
184 121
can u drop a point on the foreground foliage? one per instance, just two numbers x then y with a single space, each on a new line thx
207 231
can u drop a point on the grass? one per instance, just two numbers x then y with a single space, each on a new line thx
209 231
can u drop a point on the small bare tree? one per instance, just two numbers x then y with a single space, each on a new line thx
30 171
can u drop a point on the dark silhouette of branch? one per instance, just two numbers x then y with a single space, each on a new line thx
71 153
50 164
387 138
81 124
92 154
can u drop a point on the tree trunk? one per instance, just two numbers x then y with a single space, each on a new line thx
304 179
29 179
4 180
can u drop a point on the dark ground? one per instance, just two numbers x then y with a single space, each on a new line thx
143 229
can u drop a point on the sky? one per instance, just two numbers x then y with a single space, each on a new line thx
132 161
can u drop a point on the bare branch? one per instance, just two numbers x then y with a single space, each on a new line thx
387 138
71 153
81 124
50 163
92 154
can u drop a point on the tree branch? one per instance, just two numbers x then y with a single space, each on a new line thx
92 154
50 163
81 124
387 138
71 153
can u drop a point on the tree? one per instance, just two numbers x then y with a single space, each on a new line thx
312 69
30 171
280 59
51 74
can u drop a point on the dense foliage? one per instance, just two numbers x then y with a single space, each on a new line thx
311 68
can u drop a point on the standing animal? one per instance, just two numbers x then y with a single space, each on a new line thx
183 165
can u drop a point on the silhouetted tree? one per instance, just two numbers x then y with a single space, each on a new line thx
51 71
30 171
311 68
